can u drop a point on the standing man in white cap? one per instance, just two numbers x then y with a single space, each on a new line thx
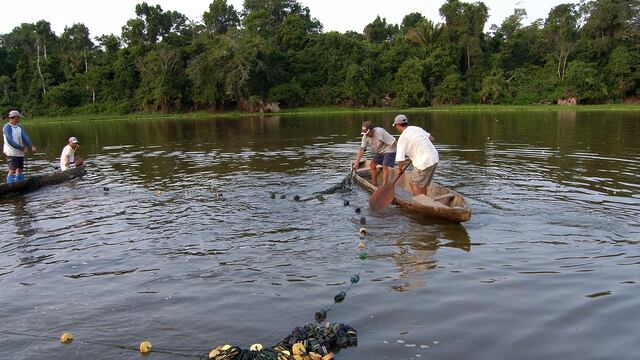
384 148
67 158
416 144
16 143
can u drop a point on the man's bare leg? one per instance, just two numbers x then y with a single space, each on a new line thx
374 173
385 175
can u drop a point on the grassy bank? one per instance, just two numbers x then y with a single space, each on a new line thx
327 110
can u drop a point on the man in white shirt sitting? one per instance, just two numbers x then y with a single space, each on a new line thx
67 158
416 144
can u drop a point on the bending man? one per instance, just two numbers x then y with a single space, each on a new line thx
384 148
16 143
416 144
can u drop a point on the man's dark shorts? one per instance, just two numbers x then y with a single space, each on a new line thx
15 162
388 159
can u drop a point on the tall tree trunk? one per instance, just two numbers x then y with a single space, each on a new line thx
44 89
86 65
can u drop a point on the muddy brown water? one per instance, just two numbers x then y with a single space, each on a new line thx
144 248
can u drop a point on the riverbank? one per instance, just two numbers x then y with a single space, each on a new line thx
327 110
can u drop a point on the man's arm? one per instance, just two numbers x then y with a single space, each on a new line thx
356 163
27 141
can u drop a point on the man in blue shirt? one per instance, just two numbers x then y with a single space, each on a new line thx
16 143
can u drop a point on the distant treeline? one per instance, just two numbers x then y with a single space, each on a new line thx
274 54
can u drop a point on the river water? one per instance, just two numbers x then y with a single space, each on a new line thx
145 248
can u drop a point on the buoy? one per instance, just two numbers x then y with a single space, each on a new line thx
355 278
360 245
217 350
105 188
362 255
283 196
145 347
272 195
256 347
296 198
363 221
358 210
298 349
321 315
363 231
340 297
66 338
346 203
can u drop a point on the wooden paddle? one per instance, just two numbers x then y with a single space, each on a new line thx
383 196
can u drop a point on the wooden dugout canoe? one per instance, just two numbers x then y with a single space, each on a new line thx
440 202
36 182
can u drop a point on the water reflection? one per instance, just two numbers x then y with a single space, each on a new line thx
415 252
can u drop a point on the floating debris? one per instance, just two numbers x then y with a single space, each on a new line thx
598 294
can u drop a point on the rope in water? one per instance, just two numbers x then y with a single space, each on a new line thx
312 341
67 338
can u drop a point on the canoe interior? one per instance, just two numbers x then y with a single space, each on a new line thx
439 201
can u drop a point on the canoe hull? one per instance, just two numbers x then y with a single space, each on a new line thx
36 182
440 202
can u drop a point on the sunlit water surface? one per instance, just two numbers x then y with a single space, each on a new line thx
143 248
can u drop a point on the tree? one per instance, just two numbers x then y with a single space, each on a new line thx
620 70
494 88
162 81
355 85
409 84
425 33
265 17
410 21
449 91
464 23
585 82
379 30
610 23
561 28
220 17
76 47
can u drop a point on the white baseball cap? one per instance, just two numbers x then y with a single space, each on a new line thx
73 140
14 113
400 119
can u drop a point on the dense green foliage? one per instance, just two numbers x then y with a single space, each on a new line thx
274 51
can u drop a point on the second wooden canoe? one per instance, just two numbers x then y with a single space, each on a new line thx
36 182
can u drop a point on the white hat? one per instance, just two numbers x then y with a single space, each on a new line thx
14 113
400 119
73 140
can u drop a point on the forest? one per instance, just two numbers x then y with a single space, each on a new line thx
273 54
